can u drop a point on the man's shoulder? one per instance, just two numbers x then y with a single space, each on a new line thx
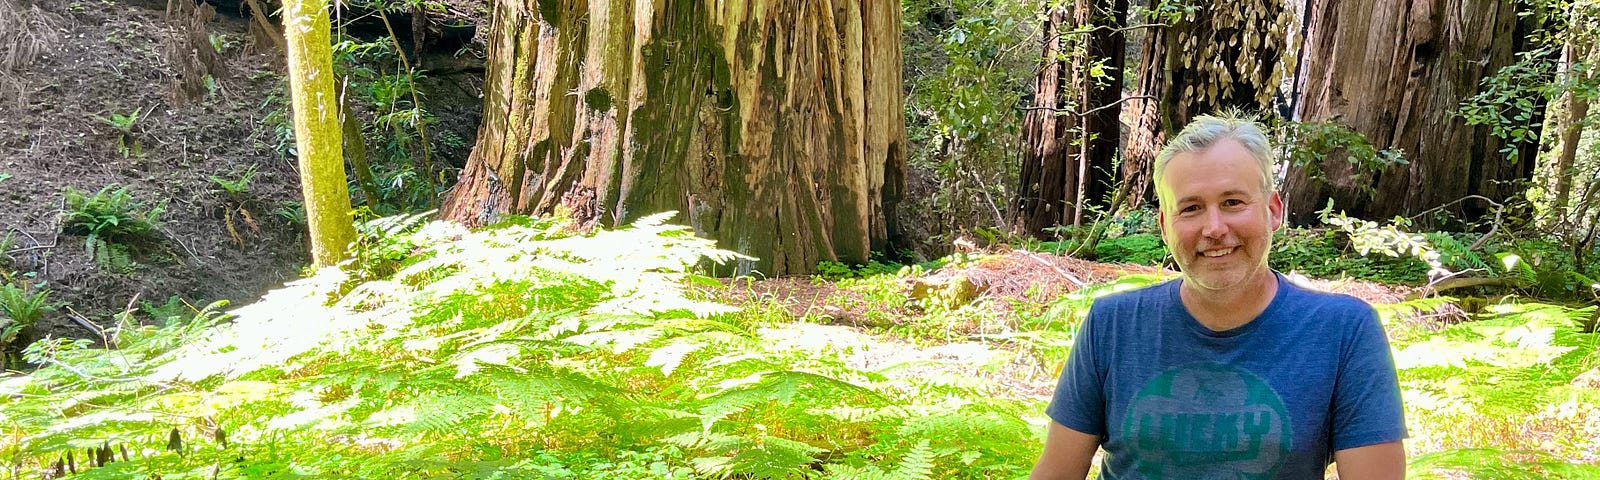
1303 298
1135 298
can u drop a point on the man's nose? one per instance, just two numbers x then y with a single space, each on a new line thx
1214 227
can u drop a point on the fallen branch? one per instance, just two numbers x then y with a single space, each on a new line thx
1459 282
1063 273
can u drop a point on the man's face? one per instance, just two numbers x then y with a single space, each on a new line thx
1216 218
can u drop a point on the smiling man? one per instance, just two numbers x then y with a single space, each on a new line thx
1228 371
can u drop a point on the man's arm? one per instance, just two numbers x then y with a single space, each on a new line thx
1067 454
1382 461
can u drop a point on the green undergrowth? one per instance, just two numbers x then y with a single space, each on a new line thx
1527 263
518 351
1501 393
524 351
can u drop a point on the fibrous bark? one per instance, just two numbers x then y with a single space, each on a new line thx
1397 72
1221 55
1070 134
756 121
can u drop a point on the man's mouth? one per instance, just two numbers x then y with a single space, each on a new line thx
1218 252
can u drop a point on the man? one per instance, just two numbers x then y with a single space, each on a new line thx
1228 371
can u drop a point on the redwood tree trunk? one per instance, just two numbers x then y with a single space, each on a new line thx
1049 173
1397 71
757 122
1070 135
1227 55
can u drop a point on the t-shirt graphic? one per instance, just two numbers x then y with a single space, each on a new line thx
1211 418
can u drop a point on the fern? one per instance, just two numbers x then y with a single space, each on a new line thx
916 464
756 456
1496 463
446 414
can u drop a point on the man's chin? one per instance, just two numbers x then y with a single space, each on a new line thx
1221 280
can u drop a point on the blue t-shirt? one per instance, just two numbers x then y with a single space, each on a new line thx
1274 398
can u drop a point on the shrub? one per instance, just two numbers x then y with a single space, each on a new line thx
21 309
111 214
111 221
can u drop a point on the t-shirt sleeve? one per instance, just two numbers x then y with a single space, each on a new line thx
1366 400
1079 401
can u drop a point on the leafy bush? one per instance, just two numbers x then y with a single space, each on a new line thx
110 214
1323 253
1310 143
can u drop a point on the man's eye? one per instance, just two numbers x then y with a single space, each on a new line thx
1232 202
1190 208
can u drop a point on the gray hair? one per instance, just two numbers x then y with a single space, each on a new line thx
1206 130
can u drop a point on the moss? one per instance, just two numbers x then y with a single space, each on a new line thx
597 99
550 11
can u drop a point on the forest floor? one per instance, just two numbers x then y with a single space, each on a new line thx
1001 289
984 335
120 94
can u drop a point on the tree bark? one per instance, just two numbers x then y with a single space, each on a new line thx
316 130
757 122
355 147
1396 72
1048 174
1224 55
1070 135
1577 106
1102 99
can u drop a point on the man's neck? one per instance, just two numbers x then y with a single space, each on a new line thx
1222 310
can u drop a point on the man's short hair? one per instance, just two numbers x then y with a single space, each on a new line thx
1206 130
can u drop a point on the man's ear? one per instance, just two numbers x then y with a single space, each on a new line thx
1275 207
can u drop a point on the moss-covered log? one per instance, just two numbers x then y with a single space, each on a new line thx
773 127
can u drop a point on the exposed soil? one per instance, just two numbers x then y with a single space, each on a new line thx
63 64
1004 278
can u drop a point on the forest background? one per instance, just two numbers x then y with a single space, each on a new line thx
910 207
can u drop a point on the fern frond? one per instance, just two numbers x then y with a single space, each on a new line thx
758 456
917 463
782 387
446 414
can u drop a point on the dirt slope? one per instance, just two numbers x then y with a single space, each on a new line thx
67 71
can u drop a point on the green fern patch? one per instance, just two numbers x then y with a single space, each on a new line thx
525 351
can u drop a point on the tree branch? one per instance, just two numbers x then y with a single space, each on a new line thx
1498 210
1092 110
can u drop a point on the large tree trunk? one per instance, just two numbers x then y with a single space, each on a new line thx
1222 55
316 130
756 121
1396 72
1070 134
